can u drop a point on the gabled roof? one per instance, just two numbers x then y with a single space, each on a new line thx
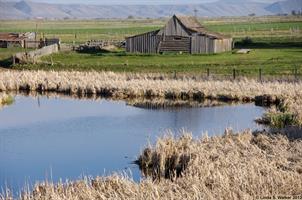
11 37
193 26
189 22
150 32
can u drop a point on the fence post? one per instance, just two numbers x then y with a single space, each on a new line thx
14 59
296 73
51 60
175 75
260 74
234 74
208 72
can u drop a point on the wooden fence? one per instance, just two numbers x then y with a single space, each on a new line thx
34 56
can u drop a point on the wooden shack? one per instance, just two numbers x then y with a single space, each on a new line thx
26 40
8 40
180 34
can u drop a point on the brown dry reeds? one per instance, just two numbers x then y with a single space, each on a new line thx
5 99
145 86
233 166
159 103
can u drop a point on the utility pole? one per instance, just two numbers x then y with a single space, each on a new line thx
36 30
195 12
36 34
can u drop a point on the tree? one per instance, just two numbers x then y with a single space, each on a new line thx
294 13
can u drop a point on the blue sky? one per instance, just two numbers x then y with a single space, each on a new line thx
134 1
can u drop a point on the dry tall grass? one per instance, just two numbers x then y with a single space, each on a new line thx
233 166
129 86
5 100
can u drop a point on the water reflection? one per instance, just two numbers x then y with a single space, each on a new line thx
64 138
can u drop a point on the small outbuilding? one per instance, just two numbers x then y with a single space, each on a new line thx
11 40
180 34
27 40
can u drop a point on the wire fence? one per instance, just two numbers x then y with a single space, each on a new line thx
293 74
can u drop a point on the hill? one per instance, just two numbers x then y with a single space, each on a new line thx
29 9
285 6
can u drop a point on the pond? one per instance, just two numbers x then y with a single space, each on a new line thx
63 138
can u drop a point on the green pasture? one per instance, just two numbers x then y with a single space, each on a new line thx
80 31
276 44
271 61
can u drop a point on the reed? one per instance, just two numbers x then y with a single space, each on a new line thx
147 86
5 99
232 166
159 103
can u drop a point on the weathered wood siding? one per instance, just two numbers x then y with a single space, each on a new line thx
145 43
173 27
223 45
203 45
175 44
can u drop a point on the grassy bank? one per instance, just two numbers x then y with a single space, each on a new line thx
243 166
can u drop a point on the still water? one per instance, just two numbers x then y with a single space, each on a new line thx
52 138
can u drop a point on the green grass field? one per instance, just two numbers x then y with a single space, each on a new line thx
260 28
271 61
277 44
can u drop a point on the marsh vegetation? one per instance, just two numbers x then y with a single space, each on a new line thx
232 166
5 100
285 95
205 168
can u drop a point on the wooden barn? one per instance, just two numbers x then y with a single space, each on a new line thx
180 34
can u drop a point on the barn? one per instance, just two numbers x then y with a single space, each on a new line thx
180 34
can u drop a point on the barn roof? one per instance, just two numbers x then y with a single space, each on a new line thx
193 26
11 37
150 32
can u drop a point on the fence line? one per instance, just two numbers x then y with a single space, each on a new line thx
33 56
235 74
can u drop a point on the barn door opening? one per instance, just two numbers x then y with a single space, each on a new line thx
175 44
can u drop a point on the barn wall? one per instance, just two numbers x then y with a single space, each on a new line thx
223 45
173 28
202 44
145 43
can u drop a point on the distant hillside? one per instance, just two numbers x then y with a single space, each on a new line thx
285 6
28 9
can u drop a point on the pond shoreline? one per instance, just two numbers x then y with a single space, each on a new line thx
287 96
206 168
168 153
139 86
140 89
